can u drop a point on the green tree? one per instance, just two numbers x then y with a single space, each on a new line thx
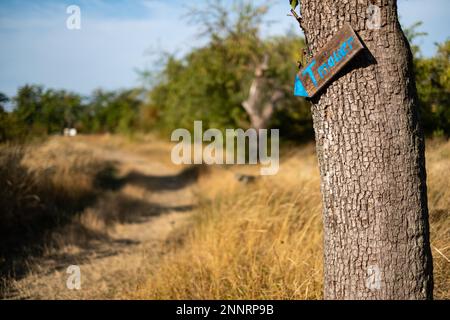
433 85
41 112
112 111
3 100
212 82
28 106
4 119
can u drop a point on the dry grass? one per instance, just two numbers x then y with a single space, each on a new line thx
44 190
264 241
438 169
261 240
106 203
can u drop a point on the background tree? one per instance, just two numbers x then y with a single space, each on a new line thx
3 100
28 108
371 158
215 83
112 111
211 83
39 111
4 125
433 84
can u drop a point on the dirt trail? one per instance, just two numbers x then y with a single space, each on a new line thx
154 198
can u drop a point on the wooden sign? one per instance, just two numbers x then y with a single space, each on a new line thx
327 62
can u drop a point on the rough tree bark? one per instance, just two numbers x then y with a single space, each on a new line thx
371 156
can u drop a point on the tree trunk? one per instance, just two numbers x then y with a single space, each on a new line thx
371 157
259 111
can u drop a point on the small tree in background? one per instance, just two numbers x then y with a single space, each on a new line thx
212 83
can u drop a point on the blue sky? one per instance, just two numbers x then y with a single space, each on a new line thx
117 35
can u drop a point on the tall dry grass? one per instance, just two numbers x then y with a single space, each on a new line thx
87 201
438 170
44 189
261 240
264 241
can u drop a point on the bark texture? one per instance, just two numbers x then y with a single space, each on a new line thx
371 157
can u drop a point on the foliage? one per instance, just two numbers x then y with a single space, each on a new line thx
263 240
111 112
38 111
4 124
211 82
433 85
293 3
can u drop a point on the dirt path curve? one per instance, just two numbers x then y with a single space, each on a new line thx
154 198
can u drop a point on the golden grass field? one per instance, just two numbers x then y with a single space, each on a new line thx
207 237
265 241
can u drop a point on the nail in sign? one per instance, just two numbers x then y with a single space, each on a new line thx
327 62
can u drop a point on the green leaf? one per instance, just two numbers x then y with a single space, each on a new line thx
294 4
